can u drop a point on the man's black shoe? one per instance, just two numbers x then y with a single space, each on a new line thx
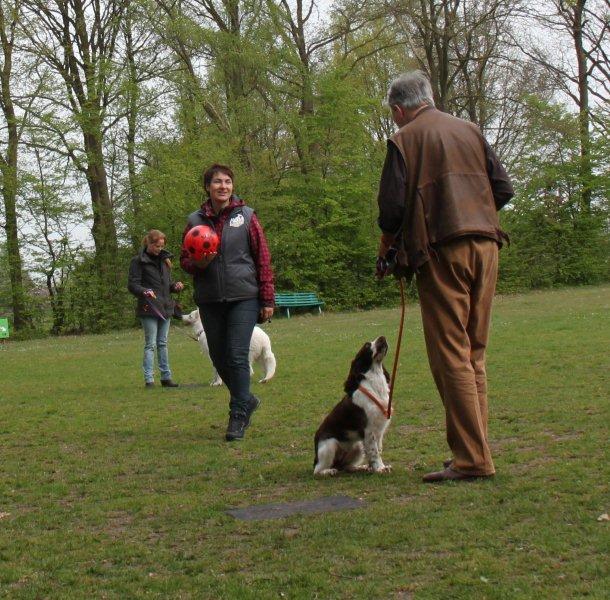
236 428
168 383
149 384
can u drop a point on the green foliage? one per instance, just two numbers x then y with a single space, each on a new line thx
322 232
36 302
85 304
551 248
172 188
557 238
322 238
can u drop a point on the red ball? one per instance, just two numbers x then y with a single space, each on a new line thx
200 241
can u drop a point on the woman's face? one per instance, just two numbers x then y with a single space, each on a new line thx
156 246
220 188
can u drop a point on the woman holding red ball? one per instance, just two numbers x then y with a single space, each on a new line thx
233 288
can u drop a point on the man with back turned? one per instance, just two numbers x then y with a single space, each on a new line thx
440 190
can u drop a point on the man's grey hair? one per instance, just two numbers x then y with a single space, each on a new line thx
410 90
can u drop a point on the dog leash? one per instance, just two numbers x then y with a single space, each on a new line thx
387 413
397 353
154 309
160 316
188 335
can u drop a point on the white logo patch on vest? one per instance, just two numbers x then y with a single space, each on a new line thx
236 221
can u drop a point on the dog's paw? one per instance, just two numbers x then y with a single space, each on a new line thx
216 382
327 473
263 380
382 469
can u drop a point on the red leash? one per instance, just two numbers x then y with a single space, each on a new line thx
397 353
387 413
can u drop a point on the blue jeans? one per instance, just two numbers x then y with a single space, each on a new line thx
228 327
155 336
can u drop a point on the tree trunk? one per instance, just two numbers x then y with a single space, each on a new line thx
136 209
21 317
57 305
8 166
583 104
132 120
103 229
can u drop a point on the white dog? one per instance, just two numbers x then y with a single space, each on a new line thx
260 347
351 436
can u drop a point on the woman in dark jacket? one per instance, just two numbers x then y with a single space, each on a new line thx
150 282
233 289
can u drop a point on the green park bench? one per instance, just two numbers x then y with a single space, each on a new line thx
290 300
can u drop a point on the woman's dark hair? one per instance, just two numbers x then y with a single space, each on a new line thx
209 173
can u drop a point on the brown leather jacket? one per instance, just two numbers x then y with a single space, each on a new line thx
448 189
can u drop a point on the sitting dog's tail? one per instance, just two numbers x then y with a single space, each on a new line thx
268 360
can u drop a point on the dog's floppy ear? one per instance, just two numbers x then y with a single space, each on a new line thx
360 365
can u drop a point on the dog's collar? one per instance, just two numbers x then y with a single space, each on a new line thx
386 413
195 337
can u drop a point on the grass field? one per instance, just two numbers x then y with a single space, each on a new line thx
108 490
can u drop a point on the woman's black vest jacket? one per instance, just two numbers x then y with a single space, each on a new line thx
232 274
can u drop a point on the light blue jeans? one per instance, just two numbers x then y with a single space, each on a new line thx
155 336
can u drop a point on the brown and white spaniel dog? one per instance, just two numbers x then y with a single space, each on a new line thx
350 438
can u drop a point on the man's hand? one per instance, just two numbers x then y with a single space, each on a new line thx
149 294
205 261
178 286
381 267
385 264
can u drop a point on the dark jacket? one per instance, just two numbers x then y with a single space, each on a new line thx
148 272
232 275
448 188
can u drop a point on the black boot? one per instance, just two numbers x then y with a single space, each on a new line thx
238 421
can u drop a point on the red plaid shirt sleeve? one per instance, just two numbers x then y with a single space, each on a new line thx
262 259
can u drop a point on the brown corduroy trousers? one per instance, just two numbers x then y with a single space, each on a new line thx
456 290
